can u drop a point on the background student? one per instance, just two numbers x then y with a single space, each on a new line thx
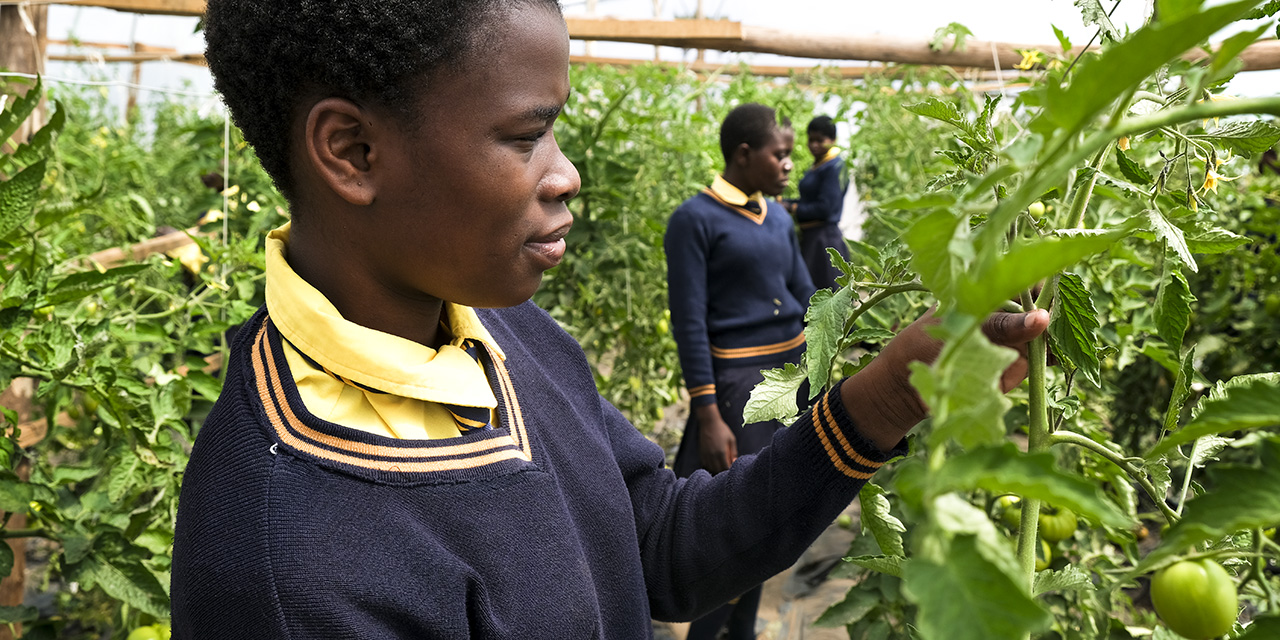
820 204
738 291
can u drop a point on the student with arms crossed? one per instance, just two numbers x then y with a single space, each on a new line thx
821 204
405 447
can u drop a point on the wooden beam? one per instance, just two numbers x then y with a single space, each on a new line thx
655 31
161 244
846 72
165 7
726 35
144 48
134 58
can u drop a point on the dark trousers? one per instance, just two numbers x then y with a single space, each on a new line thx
733 389
814 243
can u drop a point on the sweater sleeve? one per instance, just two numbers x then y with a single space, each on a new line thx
687 247
827 205
704 540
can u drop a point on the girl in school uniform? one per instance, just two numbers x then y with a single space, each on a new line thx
821 203
738 291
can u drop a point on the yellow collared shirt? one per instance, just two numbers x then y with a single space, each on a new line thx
733 195
832 153
415 378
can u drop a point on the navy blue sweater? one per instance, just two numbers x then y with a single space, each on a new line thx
737 288
560 523
821 194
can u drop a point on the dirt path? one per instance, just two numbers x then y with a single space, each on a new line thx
793 599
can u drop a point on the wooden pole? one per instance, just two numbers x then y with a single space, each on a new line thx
590 46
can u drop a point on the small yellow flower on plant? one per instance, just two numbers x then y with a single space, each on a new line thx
1031 58
1123 143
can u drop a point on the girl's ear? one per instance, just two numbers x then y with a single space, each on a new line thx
341 147
742 155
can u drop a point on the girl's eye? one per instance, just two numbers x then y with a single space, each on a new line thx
533 137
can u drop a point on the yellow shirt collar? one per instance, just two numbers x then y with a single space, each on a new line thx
831 155
380 360
733 195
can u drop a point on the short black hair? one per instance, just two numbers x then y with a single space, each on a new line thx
823 126
751 123
268 56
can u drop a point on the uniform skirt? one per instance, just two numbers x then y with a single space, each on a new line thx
814 243
733 389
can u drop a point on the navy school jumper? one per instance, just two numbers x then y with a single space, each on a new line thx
818 214
737 288
560 523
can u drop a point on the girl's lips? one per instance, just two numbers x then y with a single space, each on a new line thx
549 249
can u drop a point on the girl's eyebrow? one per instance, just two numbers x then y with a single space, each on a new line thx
541 114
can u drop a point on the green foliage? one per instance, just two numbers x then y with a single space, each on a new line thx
1152 301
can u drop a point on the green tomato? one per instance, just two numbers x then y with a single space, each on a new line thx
845 521
145 633
44 313
90 404
1010 510
1272 305
1056 525
664 327
1036 209
1044 556
1195 598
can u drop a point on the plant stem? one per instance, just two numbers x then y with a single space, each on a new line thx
8 534
1186 479
879 297
1071 437
1256 571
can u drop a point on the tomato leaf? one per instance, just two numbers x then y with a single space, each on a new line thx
1213 240
966 597
1266 627
877 519
124 580
1003 469
18 197
1243 497
1181 390
1254 136
1232 46
824 327
1173 308
6 559
1093 14
12 118
12 615
962 391
1005 276
1253 403
1074 327
775 397
1173 237
855 606
1100 79
1171 10
941 251
1072 578
84 283
888 565
1132 171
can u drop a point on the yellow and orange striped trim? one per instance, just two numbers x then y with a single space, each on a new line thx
845 458
762 350
455 454
757 218
704 390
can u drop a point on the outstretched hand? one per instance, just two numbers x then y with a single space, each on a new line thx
881 397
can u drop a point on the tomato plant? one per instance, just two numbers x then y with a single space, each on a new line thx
1130 151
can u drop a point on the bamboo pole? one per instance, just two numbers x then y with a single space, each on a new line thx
725 35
